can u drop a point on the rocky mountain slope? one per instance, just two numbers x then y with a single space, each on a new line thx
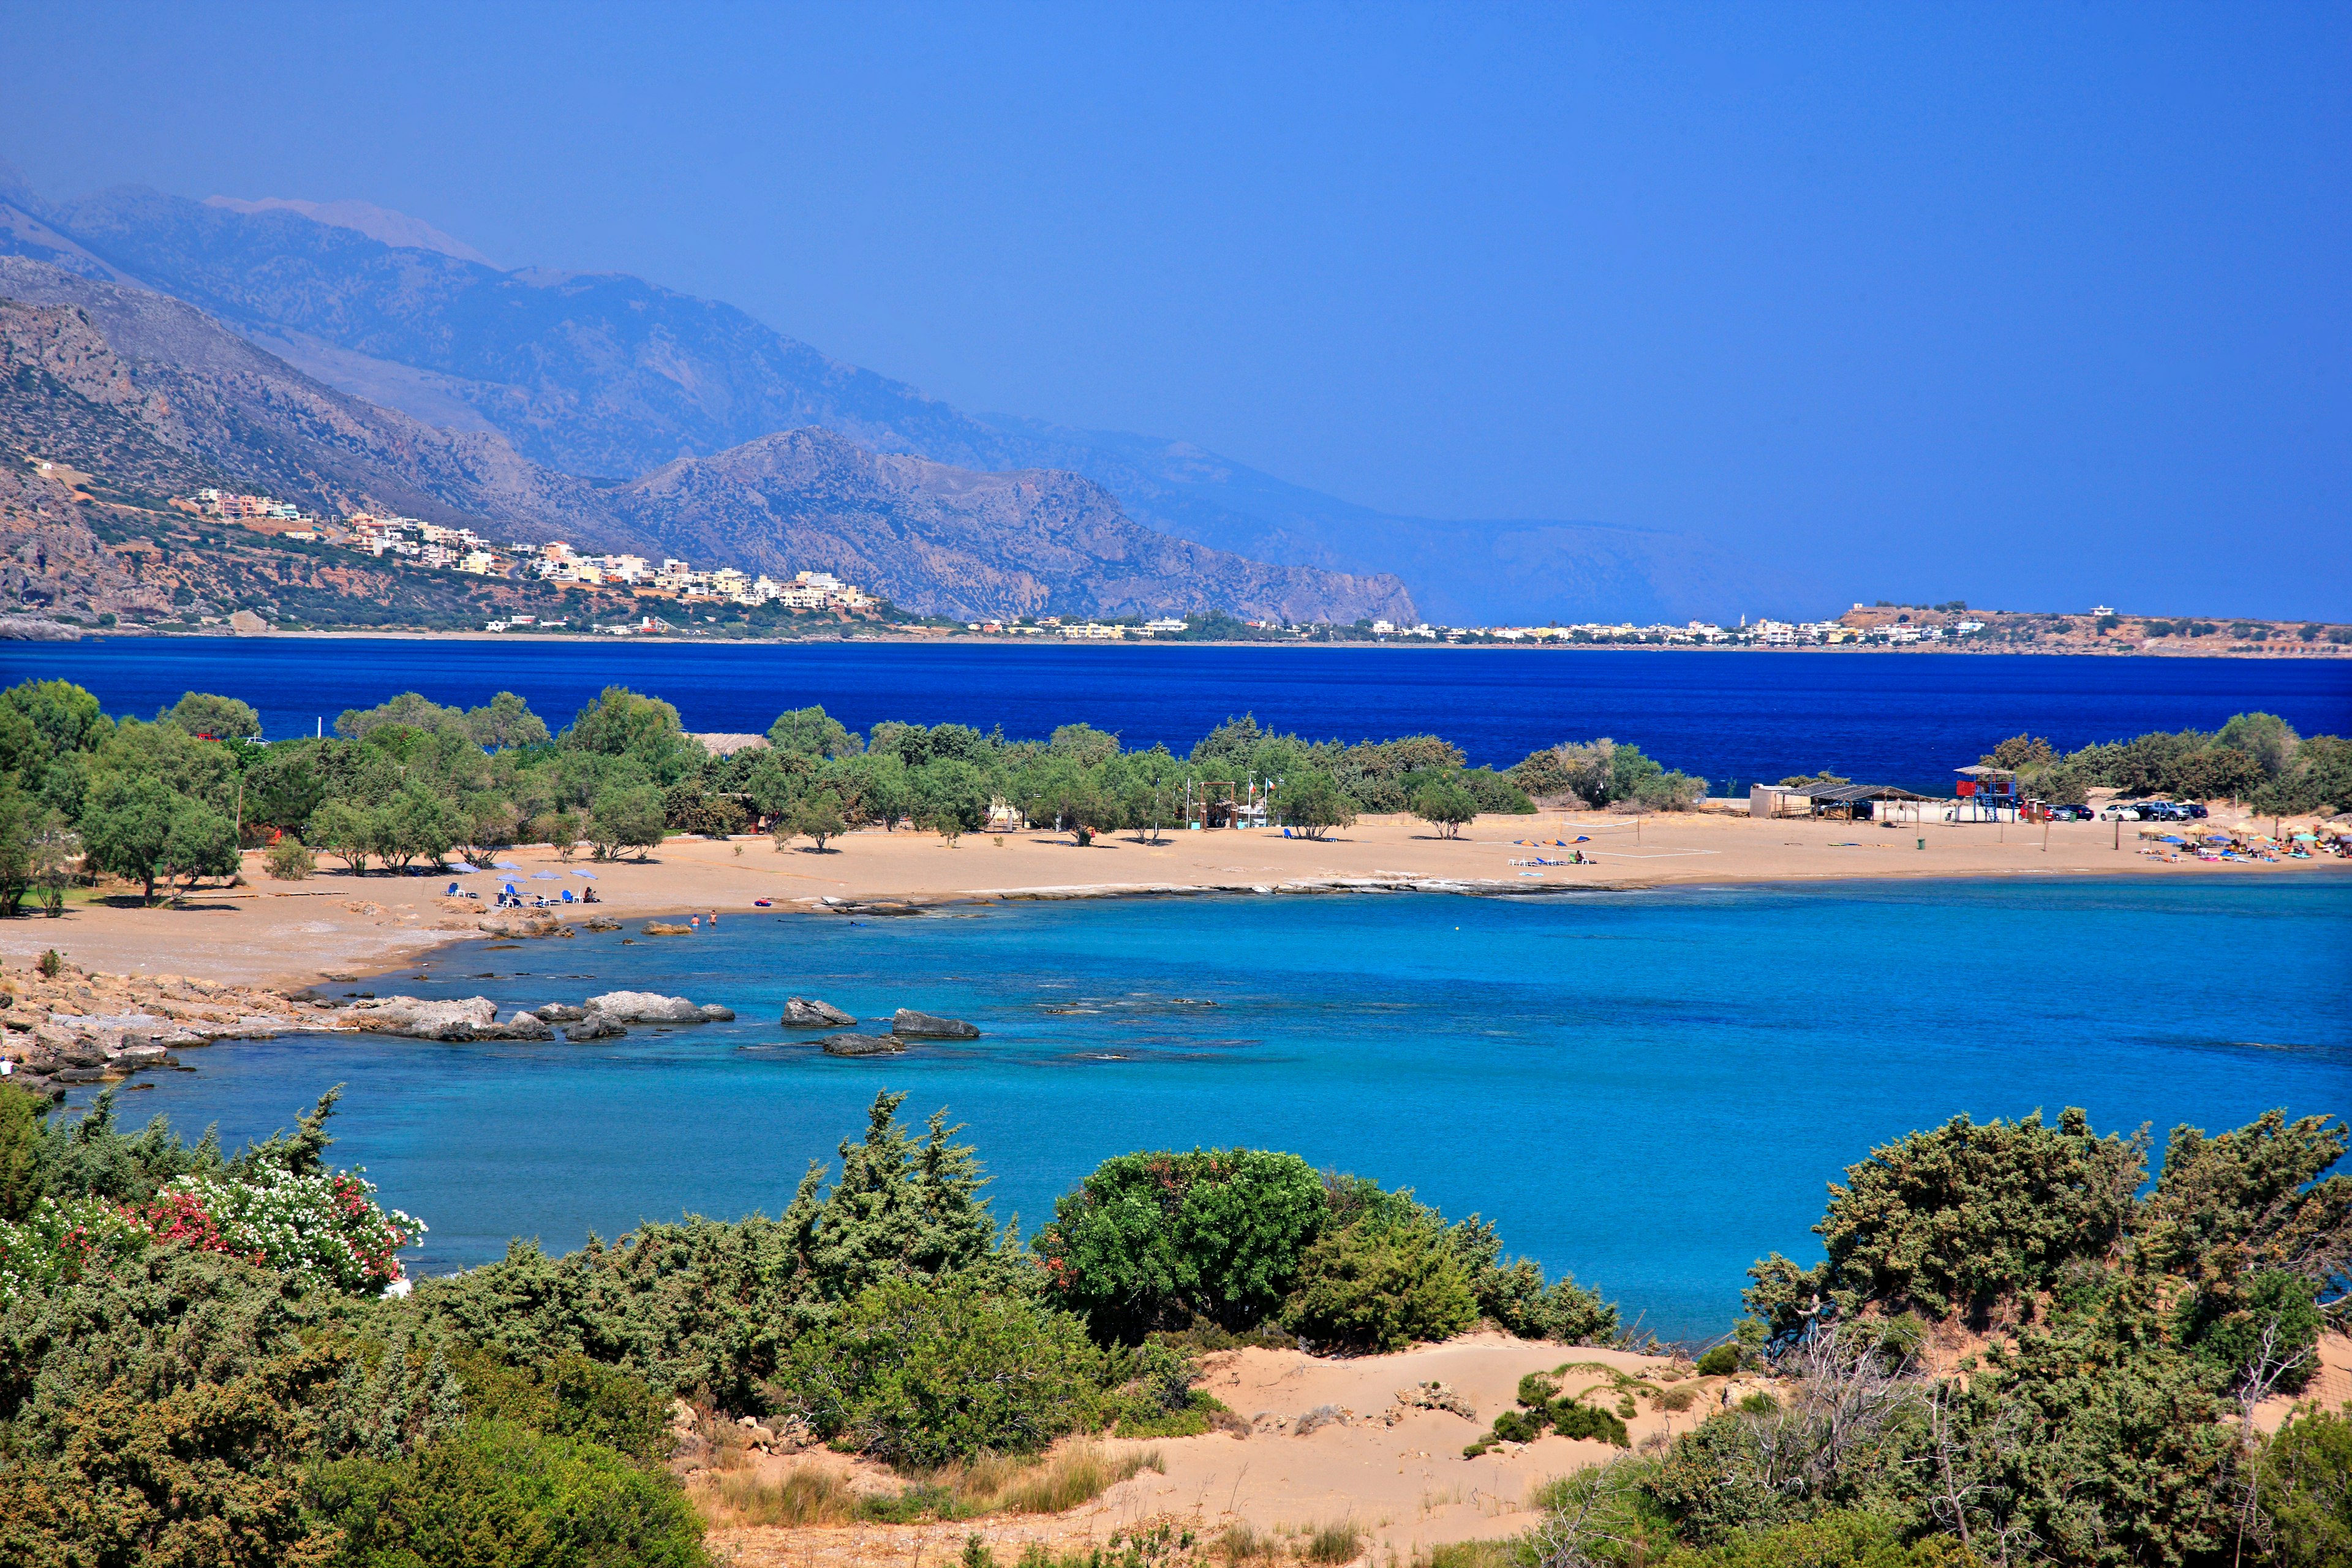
605 375
148 396
959 543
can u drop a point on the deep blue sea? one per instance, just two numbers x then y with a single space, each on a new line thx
1731 717
1650 1089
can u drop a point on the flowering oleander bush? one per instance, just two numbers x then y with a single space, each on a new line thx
59 1241
323 1228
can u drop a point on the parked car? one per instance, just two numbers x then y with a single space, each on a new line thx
2196 812
2070 813
2120 811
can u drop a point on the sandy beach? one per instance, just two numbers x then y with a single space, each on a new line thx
1398 1473
291 934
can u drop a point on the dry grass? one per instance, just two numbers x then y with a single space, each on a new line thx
1468 1555
803 1496
1244 1542
1334 1544
1079 1474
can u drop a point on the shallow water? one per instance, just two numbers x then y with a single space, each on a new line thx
1647 1088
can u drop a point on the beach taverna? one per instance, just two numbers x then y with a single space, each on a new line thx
1848 802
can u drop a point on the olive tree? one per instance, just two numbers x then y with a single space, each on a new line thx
1444 805
1310 802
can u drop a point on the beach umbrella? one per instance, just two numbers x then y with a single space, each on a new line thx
462 869
2306 838
545 877
506 865
589 875
2172 839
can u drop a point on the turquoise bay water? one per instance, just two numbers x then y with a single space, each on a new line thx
1647 1088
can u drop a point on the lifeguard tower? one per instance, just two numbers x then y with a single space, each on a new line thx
1986 794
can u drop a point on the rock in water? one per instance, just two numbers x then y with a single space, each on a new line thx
861 1045
475 1018
559 1013
808 1013
644 1007
712 1013
528 1027
594 1026
931 1027
665 928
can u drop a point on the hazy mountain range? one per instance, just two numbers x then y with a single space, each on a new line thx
634 413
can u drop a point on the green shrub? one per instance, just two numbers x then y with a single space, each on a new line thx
1954 1218
701 1305
1156 1240
500 1496
1570 1419
204 1474
1382 1282
1720 1361
1155 1396
565 1394
1517 1298
289 860
21 1176
1847 1538
1518 1426
2271 1313
2304 1486
919 1373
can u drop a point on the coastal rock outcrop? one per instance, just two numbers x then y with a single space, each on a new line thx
419 1018
560 1012
910 1025
594 1026
99 1027
712 1013
808 1013
861 1045
646 1008
1437 1396
514 923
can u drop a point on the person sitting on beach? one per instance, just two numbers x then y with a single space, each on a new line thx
590 897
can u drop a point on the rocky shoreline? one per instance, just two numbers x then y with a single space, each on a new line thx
78 1026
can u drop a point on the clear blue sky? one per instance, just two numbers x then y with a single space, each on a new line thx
1885 281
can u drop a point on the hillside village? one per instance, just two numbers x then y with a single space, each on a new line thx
691 595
